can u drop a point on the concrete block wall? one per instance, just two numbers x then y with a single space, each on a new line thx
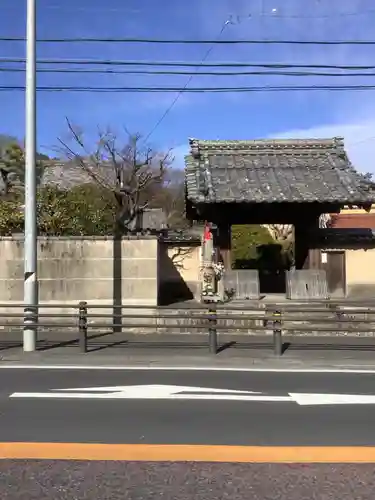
98 270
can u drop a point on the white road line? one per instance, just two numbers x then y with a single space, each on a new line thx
332 399
186 368
173 397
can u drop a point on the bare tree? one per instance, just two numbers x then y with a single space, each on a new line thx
280 232
12 167
172 199
325 221
133 173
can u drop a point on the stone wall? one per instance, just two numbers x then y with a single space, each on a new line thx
98 270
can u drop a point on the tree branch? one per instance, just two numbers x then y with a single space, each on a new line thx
136 175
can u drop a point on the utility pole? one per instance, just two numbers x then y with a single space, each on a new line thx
30 246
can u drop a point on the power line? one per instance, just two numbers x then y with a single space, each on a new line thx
192 89
188 81
184 73
177 41
278 15
107 62
234 18
78 8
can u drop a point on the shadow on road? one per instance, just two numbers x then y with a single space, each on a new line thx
95 344
327 346
7 345
44 345
108 340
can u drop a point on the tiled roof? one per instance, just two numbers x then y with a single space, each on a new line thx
66 175
182 236
353 221
265 171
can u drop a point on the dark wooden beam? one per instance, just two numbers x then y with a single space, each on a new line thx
303 227
259 213
224 244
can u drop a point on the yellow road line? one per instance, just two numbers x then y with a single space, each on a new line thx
187 453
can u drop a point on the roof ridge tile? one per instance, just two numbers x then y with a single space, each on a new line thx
266 170
198 145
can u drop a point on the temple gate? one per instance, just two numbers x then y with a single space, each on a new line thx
283 181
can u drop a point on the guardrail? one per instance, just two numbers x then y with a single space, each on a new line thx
272 320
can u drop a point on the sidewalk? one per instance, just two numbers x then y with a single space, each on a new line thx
344 353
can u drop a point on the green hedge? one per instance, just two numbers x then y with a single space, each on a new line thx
83 210
254 247
246 239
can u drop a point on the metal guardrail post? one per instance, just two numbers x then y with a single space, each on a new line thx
82 326
212 331
277 334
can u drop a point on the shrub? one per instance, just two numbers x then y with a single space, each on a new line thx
246 239
11 216
84 210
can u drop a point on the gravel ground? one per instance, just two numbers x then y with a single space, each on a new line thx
59 480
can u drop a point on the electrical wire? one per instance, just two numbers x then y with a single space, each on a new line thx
279 15
191 89
77 8
184 73
188 81
108 62
193 41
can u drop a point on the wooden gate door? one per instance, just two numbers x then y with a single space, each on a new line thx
336 276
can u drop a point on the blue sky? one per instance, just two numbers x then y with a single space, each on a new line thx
208 116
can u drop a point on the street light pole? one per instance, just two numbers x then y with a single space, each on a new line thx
30 248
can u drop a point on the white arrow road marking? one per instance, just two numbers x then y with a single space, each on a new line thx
332 399
180 397
176 392
156 388
171 392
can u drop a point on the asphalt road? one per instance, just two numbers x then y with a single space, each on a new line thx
202 422
31 427
57 480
